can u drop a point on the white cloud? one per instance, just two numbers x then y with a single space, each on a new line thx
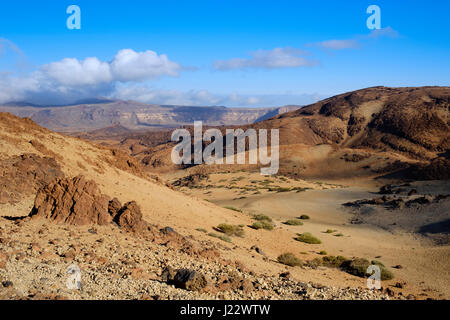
338 44
6 44
267 59
72 72
355 43
129 65
71 79
384 32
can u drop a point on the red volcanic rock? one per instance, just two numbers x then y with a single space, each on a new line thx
76 201
129 217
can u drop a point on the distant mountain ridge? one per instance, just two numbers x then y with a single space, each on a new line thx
99 113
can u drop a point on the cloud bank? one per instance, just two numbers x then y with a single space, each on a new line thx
205 98
71 79
356 42
267 59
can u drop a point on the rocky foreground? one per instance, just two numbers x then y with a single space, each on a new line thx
72 227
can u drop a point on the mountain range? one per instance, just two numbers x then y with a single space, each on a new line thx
99 113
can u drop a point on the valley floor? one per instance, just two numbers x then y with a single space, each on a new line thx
424 266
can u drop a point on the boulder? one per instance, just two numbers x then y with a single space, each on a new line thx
75 201
114 207
129 217
189 280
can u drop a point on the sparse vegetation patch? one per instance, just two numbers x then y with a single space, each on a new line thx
230 230
294 222
308 238
289 259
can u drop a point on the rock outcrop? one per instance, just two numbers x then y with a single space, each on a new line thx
129 217
23 175
78 201
75 201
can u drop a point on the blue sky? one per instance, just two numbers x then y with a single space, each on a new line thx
236 53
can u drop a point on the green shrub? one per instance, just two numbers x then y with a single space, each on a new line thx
314 263
299 189
377 263
330 231
220 236
279 189
323 253
308 238
304 217
358 267
333 262
262 217
233 208
230 230
294 222
262 225
289 259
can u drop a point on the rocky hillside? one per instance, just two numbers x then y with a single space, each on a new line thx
413 121
135 115
132 236
380 131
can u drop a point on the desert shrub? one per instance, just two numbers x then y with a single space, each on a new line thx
378 263
333 261
323 253
262 217
304 217
220 236
201 230
339 235
314 263
289 259
330 231
308 238
358 267
262 225
230 230
299 189
280 189
294 222
233 208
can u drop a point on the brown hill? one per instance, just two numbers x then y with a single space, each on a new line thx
369 132
414 121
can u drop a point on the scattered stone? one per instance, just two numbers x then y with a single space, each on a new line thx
167 230
189 280
258 250
285 275
168 274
